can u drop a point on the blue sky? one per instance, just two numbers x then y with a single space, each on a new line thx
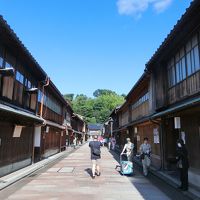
86 45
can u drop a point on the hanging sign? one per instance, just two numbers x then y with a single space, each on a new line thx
156 136
17 131
177 122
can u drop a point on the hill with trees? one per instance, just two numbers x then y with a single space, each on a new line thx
98 108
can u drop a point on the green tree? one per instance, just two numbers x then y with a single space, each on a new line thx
97 110
101 92
69 97
104 105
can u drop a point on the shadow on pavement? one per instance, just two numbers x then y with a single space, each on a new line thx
147 185
89 171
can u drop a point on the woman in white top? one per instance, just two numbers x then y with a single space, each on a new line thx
128 147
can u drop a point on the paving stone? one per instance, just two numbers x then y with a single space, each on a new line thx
66 170
70 179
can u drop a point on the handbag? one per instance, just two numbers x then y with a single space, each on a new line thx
179 164
96 152
142 156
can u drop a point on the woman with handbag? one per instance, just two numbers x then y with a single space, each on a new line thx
95 146
182 164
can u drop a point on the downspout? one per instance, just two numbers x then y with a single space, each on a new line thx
161 143
42 100
41 107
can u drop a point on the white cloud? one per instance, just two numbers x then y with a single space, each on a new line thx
137 7
161 5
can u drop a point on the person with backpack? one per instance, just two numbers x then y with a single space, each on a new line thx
95 146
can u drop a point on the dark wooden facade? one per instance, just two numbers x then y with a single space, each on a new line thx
57 114
79 127
27 132
19 73
171 81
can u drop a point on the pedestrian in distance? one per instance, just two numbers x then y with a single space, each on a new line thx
74 142
182 164
95 147
145 155
109 143
128 148
113 142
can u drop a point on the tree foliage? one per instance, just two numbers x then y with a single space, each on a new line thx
69 97
98 109
101 92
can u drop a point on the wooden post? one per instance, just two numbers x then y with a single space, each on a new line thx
33 147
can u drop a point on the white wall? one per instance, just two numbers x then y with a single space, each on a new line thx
37 136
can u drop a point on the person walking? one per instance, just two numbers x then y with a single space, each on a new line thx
128 147
182 164
95 146
145 153
113 142
109 143
74 142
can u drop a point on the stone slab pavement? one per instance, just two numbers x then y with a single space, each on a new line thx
70 179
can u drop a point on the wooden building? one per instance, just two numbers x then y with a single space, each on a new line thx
34 116
20 75
175 69
164 104
52 136
79 127
134 119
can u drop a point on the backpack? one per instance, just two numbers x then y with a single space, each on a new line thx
96 151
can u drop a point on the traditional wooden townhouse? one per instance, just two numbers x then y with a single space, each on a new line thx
135 120
20 76
51 137
35 118
175 68
79 127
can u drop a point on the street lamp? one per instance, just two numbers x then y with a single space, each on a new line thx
111 125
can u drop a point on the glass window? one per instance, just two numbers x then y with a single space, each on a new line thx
177 73
189 64
183 68
8 65
19 77
1 62
196 58
40 96
193 63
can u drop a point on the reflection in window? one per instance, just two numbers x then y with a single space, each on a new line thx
19 77
40 96
8 65
185 65
192 56
1 62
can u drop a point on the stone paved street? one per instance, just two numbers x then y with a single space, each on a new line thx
70 179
